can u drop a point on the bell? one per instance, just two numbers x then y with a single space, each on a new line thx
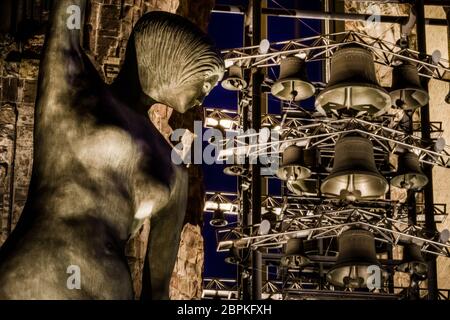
303 186
293 164
269 220
354 175
353 83
218 219
234 81
234 256
329 247
234 170
407 92
409 175
270 216
306 186
413 261
295 256
293 84
356 254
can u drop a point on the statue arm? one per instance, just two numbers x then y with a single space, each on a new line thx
66 26
163 245
63 54
63 60
62 71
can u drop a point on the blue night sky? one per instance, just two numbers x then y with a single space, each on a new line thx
227 30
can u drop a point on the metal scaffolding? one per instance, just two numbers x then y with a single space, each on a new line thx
312 216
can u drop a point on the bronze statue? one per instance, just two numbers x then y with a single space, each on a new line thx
100 166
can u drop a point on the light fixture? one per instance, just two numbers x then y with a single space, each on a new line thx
271 122
219 201
211 122
221 119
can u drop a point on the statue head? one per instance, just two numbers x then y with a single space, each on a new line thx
177 63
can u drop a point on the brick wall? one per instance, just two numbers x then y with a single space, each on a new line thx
18 81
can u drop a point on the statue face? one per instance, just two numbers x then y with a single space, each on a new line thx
177 64
185 96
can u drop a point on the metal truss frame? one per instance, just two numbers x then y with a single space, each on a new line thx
318 217
325 223
321 48
324 133
274 120
227 289
294 205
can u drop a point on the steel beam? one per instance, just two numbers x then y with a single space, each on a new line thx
430 224
317 15
244 289
257 81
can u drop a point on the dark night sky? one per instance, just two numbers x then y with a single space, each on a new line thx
227 31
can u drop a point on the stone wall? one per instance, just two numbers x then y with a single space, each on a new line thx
437 39
18 82
108 27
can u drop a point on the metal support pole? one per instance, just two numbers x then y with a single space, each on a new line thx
308 14
411 194
257 80
430 224
390 256
305 14
244 281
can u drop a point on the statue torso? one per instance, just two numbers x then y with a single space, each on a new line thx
98 165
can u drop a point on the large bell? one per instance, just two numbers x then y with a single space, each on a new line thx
407 93
354 175
353 83
293 84
293 165
218 219
413 261
409 175
295 256
234 80
356 254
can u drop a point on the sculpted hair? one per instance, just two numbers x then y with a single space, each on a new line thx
174 51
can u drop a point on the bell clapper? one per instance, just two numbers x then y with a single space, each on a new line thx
348 98
294 94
